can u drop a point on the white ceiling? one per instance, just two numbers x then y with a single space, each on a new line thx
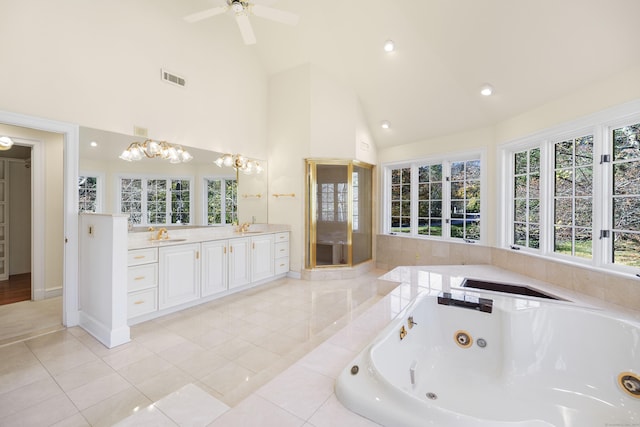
532 52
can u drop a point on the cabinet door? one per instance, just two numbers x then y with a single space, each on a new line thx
262 257
214 267
239 262
179 280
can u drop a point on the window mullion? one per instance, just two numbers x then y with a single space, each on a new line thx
446 199
414 199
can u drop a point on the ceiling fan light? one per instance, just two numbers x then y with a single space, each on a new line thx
237 6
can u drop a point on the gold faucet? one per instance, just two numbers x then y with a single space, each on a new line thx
162 232
244 227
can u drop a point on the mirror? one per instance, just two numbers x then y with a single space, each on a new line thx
101 160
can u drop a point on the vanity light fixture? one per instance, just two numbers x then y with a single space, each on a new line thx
486 90
389 46
385 124
5 143
239 163
151 149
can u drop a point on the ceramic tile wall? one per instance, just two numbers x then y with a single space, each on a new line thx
393 251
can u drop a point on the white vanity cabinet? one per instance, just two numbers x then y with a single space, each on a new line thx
281 249
214 267
262 257
239 262
179 278
142 281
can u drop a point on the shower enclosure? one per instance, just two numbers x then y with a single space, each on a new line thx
339 213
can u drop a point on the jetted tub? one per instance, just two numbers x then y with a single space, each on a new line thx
527 363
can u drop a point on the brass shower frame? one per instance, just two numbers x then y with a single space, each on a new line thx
311 226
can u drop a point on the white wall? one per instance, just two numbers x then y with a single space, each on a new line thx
621 88
311 115
98 64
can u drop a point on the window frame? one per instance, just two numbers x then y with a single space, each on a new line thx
445 160
146 177
601 126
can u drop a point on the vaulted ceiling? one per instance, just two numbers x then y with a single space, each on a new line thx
531 52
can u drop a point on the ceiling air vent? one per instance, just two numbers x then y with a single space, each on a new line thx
172 78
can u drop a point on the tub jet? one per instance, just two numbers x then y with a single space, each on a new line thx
432 396
630 383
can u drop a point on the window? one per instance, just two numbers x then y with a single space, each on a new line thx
573 195
222 201
439 199
526 198
567 201
333 201
465 199
88 200
625 238
159 201
430 200
401 200
355 185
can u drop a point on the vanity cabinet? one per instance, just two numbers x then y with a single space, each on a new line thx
281 256
214 267
239 262
142 281
179 277
262 257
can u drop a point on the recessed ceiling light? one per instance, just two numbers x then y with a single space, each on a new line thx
385 124
93 144
486 90
389 46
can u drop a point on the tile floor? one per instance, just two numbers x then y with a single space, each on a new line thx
251 352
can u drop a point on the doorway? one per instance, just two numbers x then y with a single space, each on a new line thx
339 213
66 242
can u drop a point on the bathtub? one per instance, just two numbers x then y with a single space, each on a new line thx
527 363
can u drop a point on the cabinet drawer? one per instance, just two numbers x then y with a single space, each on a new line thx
282 250
142 256
142 276
282 265
142 302
282 237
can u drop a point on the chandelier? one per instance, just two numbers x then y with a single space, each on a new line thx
152 149
239 163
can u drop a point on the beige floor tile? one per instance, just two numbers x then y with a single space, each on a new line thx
257 411
131 354
144 369
28 395
202 364
298 390
22 376
116 408
44 413
227 377
191 406
97 390
168 381
257 359
80 375
76 420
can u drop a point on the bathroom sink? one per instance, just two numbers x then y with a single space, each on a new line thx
164 241
249 232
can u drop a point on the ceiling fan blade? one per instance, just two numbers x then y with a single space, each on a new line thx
195 17
277 15
245 28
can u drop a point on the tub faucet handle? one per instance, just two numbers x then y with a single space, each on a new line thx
403 332
410 322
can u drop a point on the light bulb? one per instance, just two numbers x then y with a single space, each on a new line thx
486 90
389 46
385 124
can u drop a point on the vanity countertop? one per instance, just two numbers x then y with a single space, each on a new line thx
180 236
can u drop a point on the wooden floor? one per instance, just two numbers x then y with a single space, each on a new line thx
16 289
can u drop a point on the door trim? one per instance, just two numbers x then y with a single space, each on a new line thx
70 134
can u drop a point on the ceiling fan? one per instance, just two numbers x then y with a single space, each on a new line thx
242 10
